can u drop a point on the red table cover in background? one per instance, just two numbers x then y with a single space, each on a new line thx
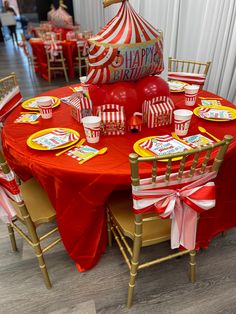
69 51
78 192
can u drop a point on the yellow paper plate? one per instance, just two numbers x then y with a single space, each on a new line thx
37 146
180 90
26 103
229 109
146 153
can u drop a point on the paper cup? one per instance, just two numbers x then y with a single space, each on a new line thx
92 128
182 118
191 92
45 107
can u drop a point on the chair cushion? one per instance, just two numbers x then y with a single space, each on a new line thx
37 203
191 78
120 204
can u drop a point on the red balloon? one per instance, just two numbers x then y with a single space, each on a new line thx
124 94
97 94
129 94
150 87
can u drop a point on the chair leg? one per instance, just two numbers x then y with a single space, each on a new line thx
12 237
80 70
42 265
134 260
109 233
49 74
224 234
133 275
192 264
65 72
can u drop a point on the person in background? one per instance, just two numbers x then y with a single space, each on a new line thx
12 28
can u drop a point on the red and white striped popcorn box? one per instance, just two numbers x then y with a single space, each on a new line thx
81 107
158 111
113 121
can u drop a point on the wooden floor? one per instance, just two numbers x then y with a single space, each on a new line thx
160 289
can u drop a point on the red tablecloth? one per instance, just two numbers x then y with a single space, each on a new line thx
69 51
78 192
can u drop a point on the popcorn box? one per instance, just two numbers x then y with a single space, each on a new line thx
81 107
112 119
157 111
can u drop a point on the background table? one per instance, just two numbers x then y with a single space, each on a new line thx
78 192
69 51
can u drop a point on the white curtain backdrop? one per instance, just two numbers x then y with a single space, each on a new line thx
203 30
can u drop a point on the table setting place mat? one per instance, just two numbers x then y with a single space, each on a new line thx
215 113
28 118
54 138
176 86
82 152
166 144
31 104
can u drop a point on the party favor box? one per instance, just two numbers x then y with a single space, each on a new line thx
113 120
81 107
158 111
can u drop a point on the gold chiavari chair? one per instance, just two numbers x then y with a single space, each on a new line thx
31 59
55 58
82 58
136 214
193 72
32 209
10 95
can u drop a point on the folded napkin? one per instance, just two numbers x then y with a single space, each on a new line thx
176 85
190 78
82 152
55 138
210 102
216 114
27 118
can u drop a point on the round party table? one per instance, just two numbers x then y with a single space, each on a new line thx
78 192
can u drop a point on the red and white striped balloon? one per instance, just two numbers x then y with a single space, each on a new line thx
126 49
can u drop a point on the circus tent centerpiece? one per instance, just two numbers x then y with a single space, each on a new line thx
125 49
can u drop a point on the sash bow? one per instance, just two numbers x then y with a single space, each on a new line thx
181 206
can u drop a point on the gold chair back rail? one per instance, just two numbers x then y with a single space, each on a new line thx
188 66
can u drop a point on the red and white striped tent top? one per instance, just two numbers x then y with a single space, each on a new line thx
126 28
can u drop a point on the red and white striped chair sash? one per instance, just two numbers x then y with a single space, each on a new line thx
8 189
179 204
9 102
53 47
190 78
83 46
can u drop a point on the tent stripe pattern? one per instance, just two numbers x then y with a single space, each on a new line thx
127 48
